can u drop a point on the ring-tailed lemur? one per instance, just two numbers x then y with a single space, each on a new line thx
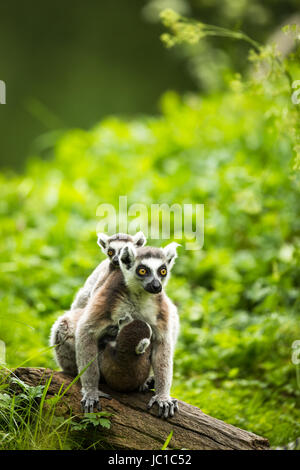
125 363
136 289
111 247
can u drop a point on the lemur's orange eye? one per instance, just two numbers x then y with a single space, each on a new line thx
110 252
163 271
142 271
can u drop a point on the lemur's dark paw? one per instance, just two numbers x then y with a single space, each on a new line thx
147 385
166 405
90 401
89 404
112 331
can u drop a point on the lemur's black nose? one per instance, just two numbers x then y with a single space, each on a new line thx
154 287
115 261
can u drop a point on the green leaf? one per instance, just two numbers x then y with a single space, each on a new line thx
164 447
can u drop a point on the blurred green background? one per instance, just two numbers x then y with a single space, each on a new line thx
97 107
68 64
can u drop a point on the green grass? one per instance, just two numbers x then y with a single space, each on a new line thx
30 420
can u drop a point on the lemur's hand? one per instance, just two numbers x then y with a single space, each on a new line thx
166 405
125 320
91 400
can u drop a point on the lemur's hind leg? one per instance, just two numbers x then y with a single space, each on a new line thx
63 338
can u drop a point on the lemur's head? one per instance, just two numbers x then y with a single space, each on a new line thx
112 246
148 267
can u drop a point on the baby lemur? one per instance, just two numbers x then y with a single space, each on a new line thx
125 363
137 289
111 247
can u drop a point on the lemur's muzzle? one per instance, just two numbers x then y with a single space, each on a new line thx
115 261
154 287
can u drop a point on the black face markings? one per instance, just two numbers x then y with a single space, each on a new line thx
126 259
142 270
162 270
110 252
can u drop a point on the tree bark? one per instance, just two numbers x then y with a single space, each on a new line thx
134 427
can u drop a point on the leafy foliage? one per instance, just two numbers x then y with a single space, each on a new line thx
92 419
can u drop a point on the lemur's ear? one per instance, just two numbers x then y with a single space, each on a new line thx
171 253
139 239
127 256
102 240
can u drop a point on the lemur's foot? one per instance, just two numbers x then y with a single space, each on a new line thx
147 385
91 400
166 405
63 333
127 318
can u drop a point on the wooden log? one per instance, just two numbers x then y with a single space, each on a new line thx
134 427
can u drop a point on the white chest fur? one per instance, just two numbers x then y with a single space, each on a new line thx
142 307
